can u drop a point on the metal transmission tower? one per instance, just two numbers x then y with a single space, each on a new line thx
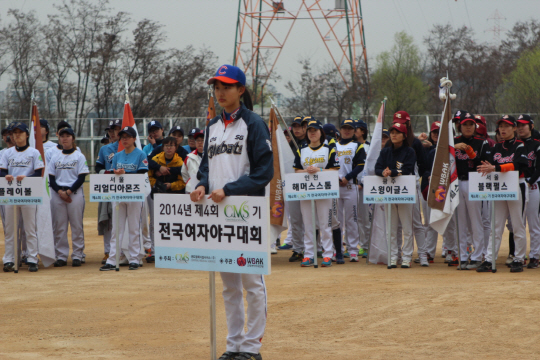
257 47
497 28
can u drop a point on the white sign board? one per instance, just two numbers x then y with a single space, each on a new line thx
29 191
230 236
304 186
390 190
123 188
495 186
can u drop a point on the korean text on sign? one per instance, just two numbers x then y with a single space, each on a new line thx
230 236
494 186
390 190
304 186
124 188
29 191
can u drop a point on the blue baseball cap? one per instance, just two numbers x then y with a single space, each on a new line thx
193 132
315 124
348 122
228 74
44 123
176 128
21 126
360 124
154 123
129 131
330 129
66 130
385 132
297 120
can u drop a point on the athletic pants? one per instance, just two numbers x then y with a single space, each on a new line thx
347 214
486 224
148 241
233 284
296 225
364 215
418 225
28 212
130 211
323 215
107 237
531 216
469 215
513 208
68 214
288 237
402 213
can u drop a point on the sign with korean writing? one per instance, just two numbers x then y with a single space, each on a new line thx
304 186
390 190
29 191
495 186
122 188
230 236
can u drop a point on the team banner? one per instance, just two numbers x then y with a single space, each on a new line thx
304 186
123 188
230 236
494 186
390 190
277 203
29 191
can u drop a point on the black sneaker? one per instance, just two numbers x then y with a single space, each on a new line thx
9 267
296 257
133 266
76 263
516 266
248 356
32 267
107 267
454 263
151 259
533 264
60 263
486 266
228 355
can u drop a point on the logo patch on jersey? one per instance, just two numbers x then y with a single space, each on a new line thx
398 165
110 157
269 144
131 167
344 152
67 165
311 161
217 149
145 162
20 163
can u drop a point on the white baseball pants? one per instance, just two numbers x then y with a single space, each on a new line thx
323 215
347 214
364 216
296 225
68 214
486 224
418 225
532 217
402 213
28 212
130 212
469 215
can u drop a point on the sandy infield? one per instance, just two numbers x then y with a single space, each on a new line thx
351 311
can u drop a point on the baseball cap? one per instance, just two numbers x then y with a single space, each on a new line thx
193 132
315 124
21 126
459 115
128 130
401 117
402 128
481 130
228 74
154 123
467 117
308 119
198 134
66 130
385 132
4 130
510 120
480 119
176 128
348 122
330 129
525 119
105 138
361 124
113 123
297 120
62 124
436 125
44 123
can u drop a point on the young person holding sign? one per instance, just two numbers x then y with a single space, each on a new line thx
395 160
128 161
67 172
508 155
237 160
316 157
16 163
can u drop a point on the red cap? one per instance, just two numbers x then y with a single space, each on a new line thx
402 128
481 130
401 117
480 120
435 126
467 117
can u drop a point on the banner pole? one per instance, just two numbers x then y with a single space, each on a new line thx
370 232
213 348
16 238
388 233
457 242
118 247
493 255
314 234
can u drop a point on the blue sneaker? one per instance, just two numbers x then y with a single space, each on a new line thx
327 262
285 247
307 262
346 255
339 259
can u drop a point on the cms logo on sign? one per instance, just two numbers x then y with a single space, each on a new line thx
240 213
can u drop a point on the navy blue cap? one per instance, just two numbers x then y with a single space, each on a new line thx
315 124
154 123
348 122
44 123
66 130
228 74
128 130
105 138
360 124
194 132
62 124
113 123
176 128
298 120
308 119
21 126
6 129
330 129
386 132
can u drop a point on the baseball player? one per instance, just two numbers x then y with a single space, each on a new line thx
16 163
128 161
364 210
508 155
47 144
395 160
155 136
191 146
224 174
351 157
193 161
67 172
314 158
104 164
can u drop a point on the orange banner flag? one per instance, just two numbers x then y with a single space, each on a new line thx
37 133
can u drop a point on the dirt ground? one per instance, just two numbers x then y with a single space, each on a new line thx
351 311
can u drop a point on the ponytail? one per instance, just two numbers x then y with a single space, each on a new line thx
246 99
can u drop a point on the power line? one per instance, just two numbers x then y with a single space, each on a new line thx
402 15
450 11
467 10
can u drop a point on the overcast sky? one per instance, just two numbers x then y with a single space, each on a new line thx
212 23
